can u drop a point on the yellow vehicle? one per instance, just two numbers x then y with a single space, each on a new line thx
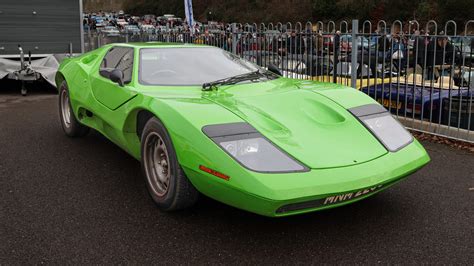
360 83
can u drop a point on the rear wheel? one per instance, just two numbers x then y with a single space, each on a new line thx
167 184
69 123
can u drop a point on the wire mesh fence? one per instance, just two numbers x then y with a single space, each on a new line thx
423 74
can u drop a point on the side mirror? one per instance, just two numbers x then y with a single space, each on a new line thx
116 76
274 69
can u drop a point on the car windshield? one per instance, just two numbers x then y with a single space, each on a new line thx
465 41
189 66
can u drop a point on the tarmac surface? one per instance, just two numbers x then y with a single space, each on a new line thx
84 201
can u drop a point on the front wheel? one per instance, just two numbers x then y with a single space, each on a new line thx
167 184
69 123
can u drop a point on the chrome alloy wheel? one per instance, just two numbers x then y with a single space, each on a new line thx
157 165
65 109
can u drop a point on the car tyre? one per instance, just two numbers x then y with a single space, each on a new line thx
71 126
166 181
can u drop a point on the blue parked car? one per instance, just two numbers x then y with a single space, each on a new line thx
427 101
99 22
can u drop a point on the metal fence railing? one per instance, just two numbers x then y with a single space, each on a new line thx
423 74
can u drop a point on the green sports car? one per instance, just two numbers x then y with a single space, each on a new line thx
202 120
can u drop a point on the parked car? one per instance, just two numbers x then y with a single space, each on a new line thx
162 29
328 43
121 21
413 97
149 19
110 31
346 43
147 28
202 120
465 49
99 22
131 29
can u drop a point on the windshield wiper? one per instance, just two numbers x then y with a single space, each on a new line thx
236 79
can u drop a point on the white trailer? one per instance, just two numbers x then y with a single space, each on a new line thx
35 35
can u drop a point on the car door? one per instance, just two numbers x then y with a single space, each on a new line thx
107 92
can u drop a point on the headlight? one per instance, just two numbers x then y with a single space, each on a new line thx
251 149
382 124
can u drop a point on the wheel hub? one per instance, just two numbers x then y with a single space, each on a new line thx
65 108
157 163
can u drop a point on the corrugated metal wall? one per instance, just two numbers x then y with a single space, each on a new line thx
40 26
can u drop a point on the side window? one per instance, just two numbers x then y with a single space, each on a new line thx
118 58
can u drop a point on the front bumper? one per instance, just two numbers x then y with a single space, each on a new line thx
295 193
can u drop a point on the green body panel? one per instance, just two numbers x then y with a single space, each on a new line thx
307 119
302 122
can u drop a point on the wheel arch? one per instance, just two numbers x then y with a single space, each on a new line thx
183 121
142 118
59 78
136 121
